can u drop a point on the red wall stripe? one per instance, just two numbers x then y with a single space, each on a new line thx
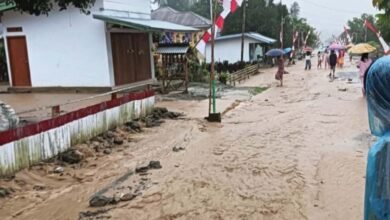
42 126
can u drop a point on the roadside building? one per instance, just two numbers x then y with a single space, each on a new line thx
110 47
228 47
189 19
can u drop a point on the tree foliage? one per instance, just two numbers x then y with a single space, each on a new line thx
295 10
382 5
267 21
38 7
358 31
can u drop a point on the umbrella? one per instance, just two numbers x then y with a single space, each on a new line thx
350 45
275 53
307 49
362 48
287 50
336 46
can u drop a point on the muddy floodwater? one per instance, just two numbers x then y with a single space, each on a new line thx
297 152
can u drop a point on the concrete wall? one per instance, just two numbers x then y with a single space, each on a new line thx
229 50
66 48
30 150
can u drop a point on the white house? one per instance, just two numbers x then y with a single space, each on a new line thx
228 47
108 48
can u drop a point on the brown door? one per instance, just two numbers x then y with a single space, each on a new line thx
131 57
143 70
18 57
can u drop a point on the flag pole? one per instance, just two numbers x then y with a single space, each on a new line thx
243 29
212 70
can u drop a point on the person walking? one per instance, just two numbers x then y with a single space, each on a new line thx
332 64
319 64
377 191
308 61
281 71
326 59
363 65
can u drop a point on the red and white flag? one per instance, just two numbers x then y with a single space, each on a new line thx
295 38
385 46
346 30
229 6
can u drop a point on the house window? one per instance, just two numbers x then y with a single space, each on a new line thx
255 51
14 29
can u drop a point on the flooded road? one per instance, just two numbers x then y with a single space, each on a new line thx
296 152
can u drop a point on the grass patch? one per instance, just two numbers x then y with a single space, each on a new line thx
257 90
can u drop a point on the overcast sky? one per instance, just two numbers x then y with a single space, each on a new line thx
330 16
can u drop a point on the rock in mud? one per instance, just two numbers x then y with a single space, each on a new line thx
107 151
128 197
155 165
118 141
99 201
59 170
4 192
88 214
141 169
39 187
152 122
109 134
133 125
171 115
178 149
71 156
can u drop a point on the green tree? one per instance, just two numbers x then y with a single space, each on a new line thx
382 5
38 7
358 31
295 10
383 25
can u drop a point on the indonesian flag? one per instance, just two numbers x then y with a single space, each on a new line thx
346 30
229 6
295 38
385 46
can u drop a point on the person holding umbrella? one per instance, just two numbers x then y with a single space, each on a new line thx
363 65
280 62
364 49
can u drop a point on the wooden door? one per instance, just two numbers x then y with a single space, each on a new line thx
143 69
18 57
123 58
131 57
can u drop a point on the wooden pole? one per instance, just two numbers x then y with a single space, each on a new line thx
243 29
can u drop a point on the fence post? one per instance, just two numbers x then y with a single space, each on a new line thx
55 111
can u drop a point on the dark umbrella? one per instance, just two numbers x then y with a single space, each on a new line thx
275 53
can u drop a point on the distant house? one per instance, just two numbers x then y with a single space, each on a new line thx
228 47
189 19
110 47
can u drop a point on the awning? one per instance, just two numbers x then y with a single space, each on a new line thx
172 49
147 25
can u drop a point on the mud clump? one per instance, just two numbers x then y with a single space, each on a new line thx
155 118
4 192
100 201
71 156
153 165
133 126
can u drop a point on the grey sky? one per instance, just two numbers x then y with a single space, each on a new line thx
330 16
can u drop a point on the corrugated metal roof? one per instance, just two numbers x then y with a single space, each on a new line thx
172 50
252 35
4 6
144 24
183 18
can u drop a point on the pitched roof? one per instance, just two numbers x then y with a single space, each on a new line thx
4 6
255 36
183 18
144 24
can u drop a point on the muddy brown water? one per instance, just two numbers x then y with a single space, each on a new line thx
296 152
